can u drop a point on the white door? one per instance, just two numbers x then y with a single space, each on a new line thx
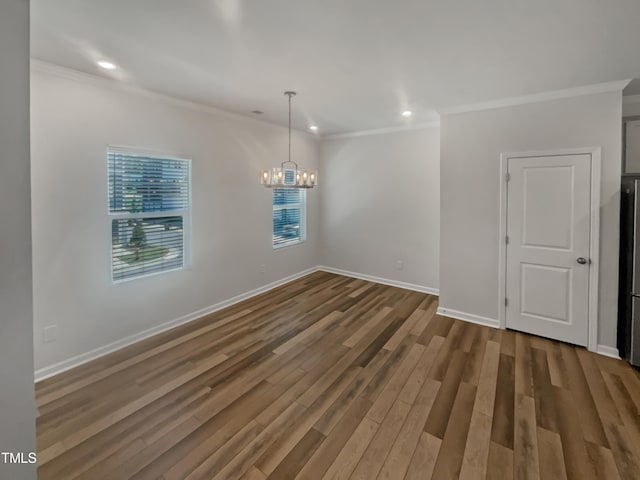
548 229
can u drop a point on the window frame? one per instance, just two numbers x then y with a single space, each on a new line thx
186 213
302 238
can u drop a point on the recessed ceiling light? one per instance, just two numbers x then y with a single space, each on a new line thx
313 128
257 112
407 113
106 65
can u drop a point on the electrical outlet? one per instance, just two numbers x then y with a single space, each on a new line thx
263 268
50 333
399 265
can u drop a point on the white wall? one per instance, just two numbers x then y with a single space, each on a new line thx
380 203
631 106
382 198
73 121
17 404
471 144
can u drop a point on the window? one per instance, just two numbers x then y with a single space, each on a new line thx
289 215
149 210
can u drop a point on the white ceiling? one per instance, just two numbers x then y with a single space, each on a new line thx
356 64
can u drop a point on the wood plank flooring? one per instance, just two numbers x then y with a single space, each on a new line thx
329 377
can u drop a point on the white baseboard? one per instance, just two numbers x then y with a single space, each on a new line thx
78 360
83 358
383 281
468 317
490 322
608 351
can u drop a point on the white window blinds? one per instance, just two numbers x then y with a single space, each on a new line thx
289 216
149 202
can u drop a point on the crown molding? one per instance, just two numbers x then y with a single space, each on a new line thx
616 86
631 99
382 131
119 85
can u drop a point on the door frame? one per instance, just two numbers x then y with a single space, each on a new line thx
594 242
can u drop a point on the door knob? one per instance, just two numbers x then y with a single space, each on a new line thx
582 260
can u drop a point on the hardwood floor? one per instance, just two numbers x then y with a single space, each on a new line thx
334 378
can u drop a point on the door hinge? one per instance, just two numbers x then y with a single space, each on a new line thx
507 177
506 239
506 302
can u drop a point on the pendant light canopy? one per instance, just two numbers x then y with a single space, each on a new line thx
288 175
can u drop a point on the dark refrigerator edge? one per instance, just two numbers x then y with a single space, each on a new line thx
629 269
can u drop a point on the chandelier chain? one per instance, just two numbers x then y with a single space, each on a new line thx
290 95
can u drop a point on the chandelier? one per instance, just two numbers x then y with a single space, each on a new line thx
288 176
